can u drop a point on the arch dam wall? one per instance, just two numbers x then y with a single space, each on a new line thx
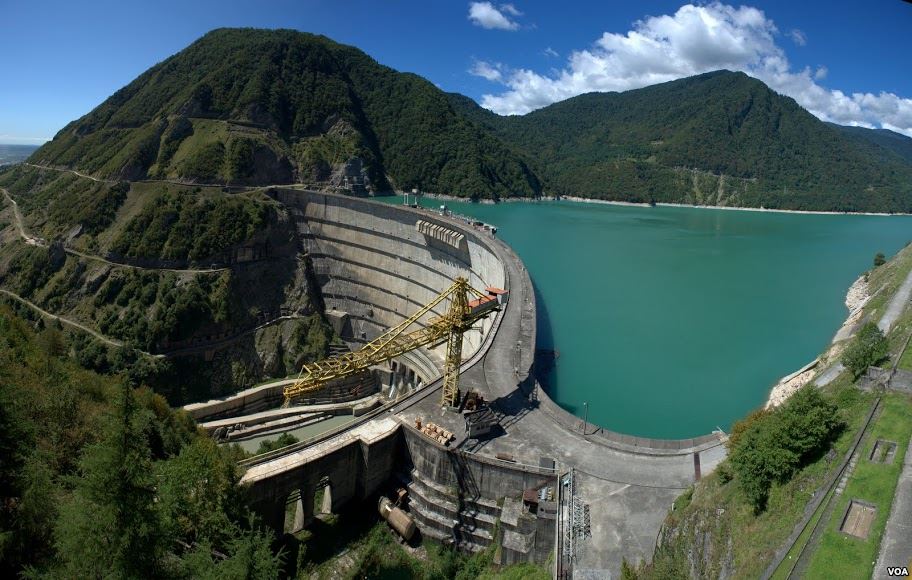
376 264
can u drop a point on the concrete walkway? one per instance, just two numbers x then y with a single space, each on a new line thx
896 546
894 309
896 305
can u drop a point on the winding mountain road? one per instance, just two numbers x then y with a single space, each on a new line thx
17 217
36 241
105 339
73 171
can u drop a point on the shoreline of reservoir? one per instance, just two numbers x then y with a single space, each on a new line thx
857 296
447 197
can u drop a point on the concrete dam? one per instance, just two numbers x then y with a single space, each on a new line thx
549 483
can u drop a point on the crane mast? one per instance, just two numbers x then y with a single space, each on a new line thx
460 316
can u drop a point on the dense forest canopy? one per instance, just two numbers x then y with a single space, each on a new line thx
100 479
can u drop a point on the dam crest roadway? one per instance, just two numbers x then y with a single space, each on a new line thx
376 263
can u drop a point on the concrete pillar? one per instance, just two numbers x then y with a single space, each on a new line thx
327 507
304 508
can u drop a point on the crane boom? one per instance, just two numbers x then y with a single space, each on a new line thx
459 317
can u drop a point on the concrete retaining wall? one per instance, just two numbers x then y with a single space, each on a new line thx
256 399
354 470
470 473
358 466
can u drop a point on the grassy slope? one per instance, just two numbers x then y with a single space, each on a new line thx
725 516
841 555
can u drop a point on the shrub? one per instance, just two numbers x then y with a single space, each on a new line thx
775 445
869 347
283 440
879 259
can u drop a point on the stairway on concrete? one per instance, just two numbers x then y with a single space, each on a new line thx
438 512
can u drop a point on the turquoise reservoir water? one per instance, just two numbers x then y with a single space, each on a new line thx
672 321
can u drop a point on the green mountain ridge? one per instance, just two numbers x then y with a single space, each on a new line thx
257 107
884 141
723 135
245 106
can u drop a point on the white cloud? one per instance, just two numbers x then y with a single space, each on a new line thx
510 9
693 40
487 70
484 14
798 37
551 52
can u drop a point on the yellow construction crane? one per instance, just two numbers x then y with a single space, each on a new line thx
460 315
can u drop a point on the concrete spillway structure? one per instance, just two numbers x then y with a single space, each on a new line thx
376 264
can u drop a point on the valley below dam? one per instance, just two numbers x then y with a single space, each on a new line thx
672 321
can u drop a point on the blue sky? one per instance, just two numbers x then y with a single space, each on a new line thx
845 61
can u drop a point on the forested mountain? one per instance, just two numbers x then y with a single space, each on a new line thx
245 106
884 140
279 106
98 479
720 138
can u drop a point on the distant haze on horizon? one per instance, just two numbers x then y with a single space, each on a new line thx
841 65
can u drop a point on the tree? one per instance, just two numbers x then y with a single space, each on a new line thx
199 495
774 445
15 441
868 348
879 259
247 557
284 440
111 524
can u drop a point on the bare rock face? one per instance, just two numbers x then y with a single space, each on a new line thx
699 542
